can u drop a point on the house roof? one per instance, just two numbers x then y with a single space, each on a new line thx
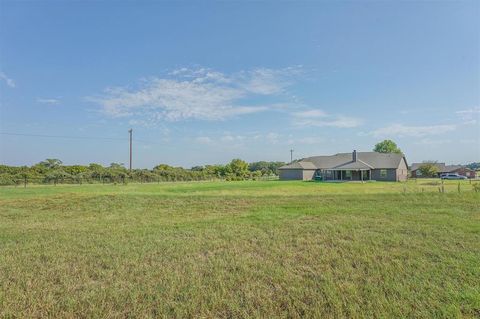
354 165
365 160
451 168
440 166
299 165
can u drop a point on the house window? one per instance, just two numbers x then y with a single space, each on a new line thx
383 173
418 172
348 174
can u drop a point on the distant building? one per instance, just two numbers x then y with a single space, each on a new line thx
355 166
443 169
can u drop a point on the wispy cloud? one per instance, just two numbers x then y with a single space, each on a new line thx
202 94
203 140
8 81
310 140
311 114
432 141
48 101
268 81
319 118
401 130
470 116
229 139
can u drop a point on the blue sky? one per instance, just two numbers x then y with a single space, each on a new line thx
208 82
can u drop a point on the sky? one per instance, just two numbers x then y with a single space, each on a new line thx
205 82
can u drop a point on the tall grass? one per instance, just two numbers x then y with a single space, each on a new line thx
244 249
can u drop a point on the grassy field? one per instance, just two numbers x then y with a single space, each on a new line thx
241 249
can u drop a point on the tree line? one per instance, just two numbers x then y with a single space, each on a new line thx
52 171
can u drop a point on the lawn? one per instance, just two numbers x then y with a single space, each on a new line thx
241 249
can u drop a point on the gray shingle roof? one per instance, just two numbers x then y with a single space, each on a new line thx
451 168
354 165
440 166
299 165
365 160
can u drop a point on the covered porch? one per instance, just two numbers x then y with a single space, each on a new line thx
343 175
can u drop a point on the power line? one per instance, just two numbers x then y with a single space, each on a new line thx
85 138
64 136
78 137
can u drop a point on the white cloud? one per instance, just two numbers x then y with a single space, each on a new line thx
336 121
311 114
319 118
204 140
401 130
310 140
470 116
272 137
8 81
227 138
432 141
201 94
48 101
268 81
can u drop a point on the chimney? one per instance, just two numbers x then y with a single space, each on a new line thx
354 155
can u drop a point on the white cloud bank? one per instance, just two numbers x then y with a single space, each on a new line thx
400 130
202 94
319 118
470 116
7 80
271 138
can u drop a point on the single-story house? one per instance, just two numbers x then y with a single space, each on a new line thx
355 166
443 169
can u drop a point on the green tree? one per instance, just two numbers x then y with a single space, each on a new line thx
266 168
117 166
116 172
237 170
51 163
215 170
56 176
162 167
75 169
387 146
97 171
428 169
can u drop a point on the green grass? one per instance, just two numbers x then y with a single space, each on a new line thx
240 249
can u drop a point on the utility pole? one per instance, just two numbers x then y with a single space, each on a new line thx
130 131
291 156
